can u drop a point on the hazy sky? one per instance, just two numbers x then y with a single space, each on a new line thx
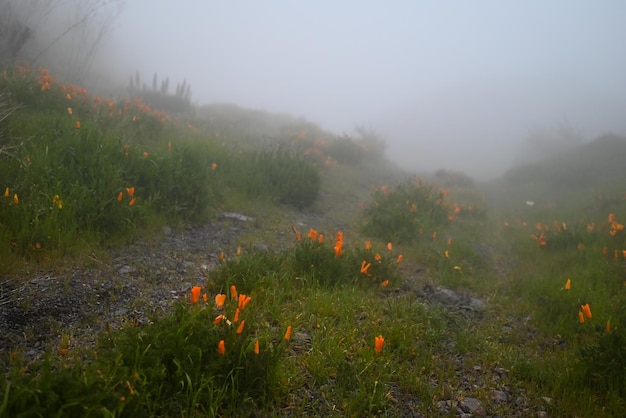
449 84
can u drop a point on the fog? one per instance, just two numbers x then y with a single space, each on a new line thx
448 84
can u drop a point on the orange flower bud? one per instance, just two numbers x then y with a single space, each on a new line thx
379 343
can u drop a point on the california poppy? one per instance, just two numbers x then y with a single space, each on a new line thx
240 327
365 267
389 246
313 234
568 284
586 310
243 301
288 333
195 294
399 259
130 191
233 292
6 192
368 245
132 201
236 317
256 347
581 317
379 342
220 298
16 199
221 348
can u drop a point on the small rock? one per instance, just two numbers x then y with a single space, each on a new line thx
477 304
499 396
238 216
120 312
261 247
446 296
124 270
470 405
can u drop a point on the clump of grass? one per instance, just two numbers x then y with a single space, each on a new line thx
400 214
204 359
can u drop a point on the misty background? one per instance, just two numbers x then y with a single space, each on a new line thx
470 86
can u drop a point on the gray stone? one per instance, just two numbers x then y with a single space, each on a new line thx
446 296
470 405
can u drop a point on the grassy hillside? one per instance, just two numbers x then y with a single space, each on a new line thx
578 177
390 294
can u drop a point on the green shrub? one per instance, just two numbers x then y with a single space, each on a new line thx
345 151
401 214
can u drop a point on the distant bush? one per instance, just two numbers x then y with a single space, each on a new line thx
159 97
401 214
448 178
275 175
345 151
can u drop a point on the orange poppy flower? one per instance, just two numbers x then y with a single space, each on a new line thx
16 199
581 317
586 310
256 347
320 238
568 284
233 292
378 257
365 267
195 294
379 343
288 333
120 197
243 301
608 327
218 319
221 348
368 245
132 201
399 259
6 192
240 327
77 124
130 191
313 234
338 248
389 246
220 298
236 317
385 283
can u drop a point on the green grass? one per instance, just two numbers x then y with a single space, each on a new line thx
473 239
